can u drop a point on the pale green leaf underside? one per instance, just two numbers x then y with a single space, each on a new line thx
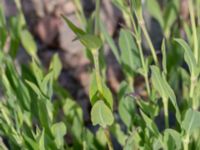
101 114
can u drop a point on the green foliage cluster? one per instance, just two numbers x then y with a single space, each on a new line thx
37 114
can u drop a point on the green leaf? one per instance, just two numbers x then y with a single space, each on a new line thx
160 84
149 108
37 71
101 137
45 111
191 121
18 86
34 87
89 140
172 139
2 16
129 52
188 55
126 105
150 124
126 111
164 55
101 114
72 110
91 42
154 10
59 130
137 7
94 95
107 96
170 14
42 141
28 43
56 66
79 32
134 141
31 143
93 90
110 42
119 134
47 84
77 129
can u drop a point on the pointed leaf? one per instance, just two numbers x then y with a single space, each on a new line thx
150 124
188 55
79 32
56 66
129 52
91 42
110 42
28 43
160 84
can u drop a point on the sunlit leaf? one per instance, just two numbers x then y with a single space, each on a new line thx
56 66
59 130
101 114
28 43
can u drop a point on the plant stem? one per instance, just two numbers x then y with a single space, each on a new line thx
147 83
192 87
97 17
186 142
107 134
166 113
97 70
143 66
153 51
194 29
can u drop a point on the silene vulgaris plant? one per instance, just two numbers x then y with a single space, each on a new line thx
37 113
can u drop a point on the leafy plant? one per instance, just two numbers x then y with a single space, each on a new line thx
37 113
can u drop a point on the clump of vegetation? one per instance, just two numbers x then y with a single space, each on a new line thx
37 113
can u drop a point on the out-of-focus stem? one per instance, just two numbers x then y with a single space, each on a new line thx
107 134
186 142
194 29
143 66
97 69
192 87
166 113
97 17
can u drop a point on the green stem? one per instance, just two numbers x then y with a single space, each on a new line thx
194 29
198 12
97 17
166 113
97 70
147 83
143 66
138 40
186 142
192 87
107 134
153 51
131 82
